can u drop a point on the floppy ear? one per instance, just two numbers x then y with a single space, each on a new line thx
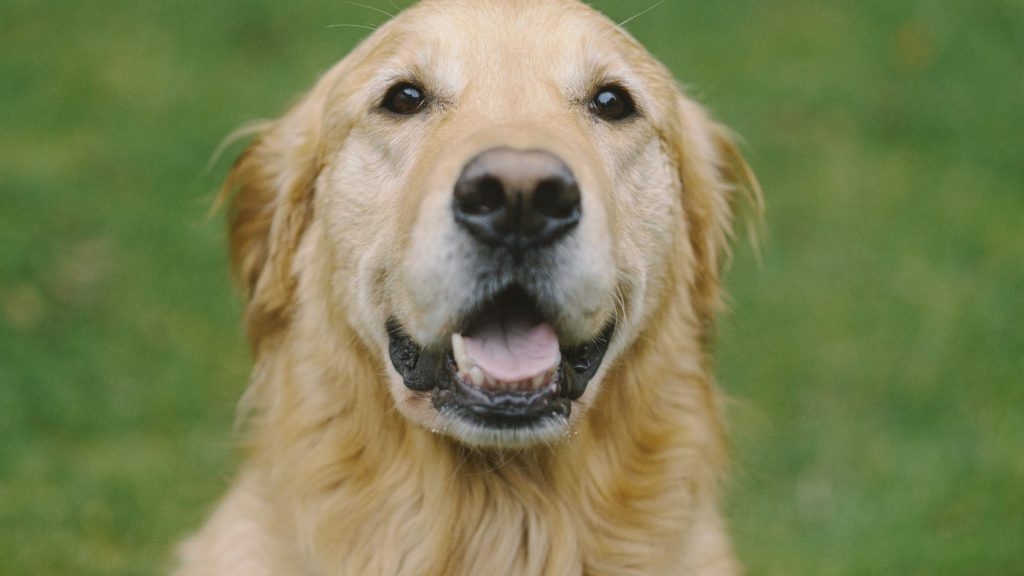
270 198
270 192
715 179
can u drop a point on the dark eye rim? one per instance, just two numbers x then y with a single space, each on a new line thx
386 103
630 109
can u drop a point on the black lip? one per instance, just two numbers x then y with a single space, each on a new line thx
497 409
426 369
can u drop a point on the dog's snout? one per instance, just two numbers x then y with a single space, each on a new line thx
517 199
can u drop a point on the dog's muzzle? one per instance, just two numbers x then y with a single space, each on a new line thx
505 367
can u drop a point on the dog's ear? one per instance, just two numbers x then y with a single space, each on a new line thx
716 180
270 203
269 194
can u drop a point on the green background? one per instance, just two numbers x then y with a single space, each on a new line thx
875 356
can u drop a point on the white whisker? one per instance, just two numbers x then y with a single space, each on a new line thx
641 13
363 26
368 7
620 305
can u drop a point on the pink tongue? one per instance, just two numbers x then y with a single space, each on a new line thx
512 351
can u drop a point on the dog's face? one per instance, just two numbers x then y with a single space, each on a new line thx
498 194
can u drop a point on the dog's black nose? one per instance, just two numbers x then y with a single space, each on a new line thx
517 199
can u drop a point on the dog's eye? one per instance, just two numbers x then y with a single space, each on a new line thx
613 103
404 98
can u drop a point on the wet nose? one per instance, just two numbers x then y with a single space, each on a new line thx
517 199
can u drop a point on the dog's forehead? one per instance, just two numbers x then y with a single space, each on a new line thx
465 18
450 42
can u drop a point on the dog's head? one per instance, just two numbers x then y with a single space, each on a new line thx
494 198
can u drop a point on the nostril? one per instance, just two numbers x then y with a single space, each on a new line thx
556 197
491 193
480 196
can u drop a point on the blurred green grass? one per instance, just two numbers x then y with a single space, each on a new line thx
876 355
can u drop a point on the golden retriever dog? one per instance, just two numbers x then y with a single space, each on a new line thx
481 262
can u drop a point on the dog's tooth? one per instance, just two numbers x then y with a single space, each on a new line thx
538 380
477 376
459 352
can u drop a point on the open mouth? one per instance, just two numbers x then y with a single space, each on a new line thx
504 369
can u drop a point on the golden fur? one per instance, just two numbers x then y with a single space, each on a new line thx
343 475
